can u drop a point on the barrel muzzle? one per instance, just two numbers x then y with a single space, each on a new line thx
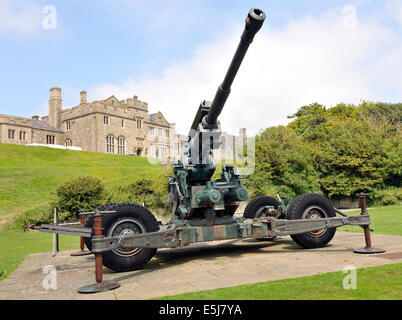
254 21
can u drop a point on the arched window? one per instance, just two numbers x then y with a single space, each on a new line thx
121 145
110 144
68 143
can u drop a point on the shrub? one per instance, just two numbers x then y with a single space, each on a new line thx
388 196
81 193
140 191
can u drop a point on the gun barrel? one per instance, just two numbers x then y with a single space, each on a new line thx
254 21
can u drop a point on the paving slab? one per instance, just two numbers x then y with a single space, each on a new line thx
197 267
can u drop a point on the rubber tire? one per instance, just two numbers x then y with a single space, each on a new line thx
256 203
89 222
123 210
295 211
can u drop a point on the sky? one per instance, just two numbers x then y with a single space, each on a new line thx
174 54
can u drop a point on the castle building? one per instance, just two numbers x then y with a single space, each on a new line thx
111 126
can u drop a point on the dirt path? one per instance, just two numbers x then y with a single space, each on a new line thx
197 267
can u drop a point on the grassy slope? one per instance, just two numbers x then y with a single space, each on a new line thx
374 283
29 176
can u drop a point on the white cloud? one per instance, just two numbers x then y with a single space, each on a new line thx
22 16
311 60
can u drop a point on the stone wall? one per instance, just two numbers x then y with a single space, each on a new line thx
39 136
17 124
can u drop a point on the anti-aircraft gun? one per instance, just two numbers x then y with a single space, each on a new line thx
125 236
192 193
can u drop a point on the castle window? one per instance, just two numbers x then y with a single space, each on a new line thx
105 119
122 123
49 139
68 143
121 145
160 132
151 131
110 144
163 152
22 135
11 134
68 125
139 124
167 133
156 152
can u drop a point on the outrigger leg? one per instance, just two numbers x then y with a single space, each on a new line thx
368 249
100 285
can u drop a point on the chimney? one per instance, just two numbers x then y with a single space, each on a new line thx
243 135
35 117
83 96
55 107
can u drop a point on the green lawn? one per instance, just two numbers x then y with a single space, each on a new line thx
374 283
384 220
29 176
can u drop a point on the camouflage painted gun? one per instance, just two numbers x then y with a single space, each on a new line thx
125 236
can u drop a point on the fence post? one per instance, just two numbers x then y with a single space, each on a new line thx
55 235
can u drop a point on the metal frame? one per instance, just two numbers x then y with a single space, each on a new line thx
179 235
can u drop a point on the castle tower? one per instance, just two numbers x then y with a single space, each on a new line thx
55 107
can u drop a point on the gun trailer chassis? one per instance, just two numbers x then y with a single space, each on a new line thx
180 233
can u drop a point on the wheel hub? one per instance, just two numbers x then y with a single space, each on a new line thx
126 227
315 212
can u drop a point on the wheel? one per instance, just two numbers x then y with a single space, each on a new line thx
311 206
129 219
89 222
254 209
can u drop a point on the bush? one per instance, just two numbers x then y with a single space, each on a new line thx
388 196
140 191
81 193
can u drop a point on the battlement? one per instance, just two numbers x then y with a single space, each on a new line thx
127 108
135 103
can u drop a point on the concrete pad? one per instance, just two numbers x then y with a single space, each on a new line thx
197 267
